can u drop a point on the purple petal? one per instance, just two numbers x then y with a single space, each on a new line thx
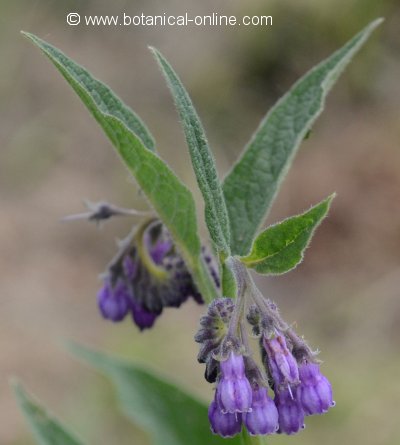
114 302
143 318
159 250
224 424
263 417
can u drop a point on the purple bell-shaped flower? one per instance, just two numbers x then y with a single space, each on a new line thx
315 391
291 414
263 417
234 390
114 301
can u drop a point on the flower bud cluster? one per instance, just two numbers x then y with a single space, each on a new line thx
147 275
243 389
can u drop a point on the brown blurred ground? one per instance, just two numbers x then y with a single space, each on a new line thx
344 297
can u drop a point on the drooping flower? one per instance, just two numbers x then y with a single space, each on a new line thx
315 390
263 417
290 411
234 391
114 301
153 274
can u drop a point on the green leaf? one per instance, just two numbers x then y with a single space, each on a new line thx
97 96
280 248
170 198
170 415
251 186
46 429
202 159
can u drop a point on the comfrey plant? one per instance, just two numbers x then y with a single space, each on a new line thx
162 263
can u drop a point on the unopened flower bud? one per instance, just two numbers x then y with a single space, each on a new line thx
254 318
281 363
213 329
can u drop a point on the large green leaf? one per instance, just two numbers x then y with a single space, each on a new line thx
281 247
202 159
166 193
97 96
252 184
46 429
169 414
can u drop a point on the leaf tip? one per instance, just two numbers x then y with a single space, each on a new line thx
36 40
377 22
15 384
326 203
370 28
154 51
27 35
331 197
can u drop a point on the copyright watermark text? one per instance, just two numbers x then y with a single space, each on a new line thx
214 19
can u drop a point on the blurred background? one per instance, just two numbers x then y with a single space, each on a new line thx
344 297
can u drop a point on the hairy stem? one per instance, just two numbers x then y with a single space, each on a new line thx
239 272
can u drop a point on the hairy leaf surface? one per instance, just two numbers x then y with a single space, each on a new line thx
281 247
171 199
202 159
251 186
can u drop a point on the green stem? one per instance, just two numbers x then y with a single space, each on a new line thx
143 251
228 281
204 281
238 271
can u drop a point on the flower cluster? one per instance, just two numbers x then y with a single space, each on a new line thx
147 275
242 393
